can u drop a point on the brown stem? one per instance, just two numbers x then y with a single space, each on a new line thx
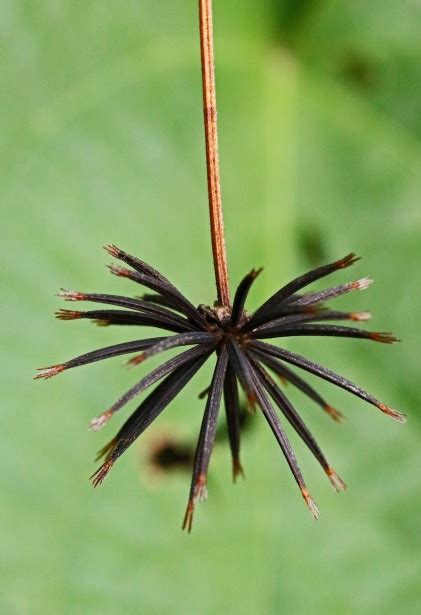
212 156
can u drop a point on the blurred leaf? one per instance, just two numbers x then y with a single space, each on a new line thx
102 141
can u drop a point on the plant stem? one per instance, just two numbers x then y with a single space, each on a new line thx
212 156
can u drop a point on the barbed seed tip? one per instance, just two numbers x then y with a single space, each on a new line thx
361 316
201 490
337 482
120 272
98 476
347 261
335 414
237 469
136 360
49 372
362 284
314 509
62 314
398 416
188 517
98 422
70 295
112 250
384 338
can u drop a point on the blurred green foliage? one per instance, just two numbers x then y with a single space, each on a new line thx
102 142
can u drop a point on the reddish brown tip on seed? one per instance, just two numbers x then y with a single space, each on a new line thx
335 414
49 372
199 493
101 473
310 503
71 295
112 250
68 314
335 479
315 309
188 517
384 338
99 421
347 261
251 401
361 284
136 360
398 416
360 316
200 488
237 469
119 271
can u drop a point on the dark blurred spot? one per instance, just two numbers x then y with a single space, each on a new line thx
312 245
292 15
358 69
170 455
294 11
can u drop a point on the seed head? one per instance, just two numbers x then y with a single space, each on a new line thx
245 361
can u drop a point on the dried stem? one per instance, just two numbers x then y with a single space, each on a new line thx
212 156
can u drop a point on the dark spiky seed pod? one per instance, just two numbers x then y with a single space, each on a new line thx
243 360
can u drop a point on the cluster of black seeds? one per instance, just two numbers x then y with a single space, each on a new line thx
244 359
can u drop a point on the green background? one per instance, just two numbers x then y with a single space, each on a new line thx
320 128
